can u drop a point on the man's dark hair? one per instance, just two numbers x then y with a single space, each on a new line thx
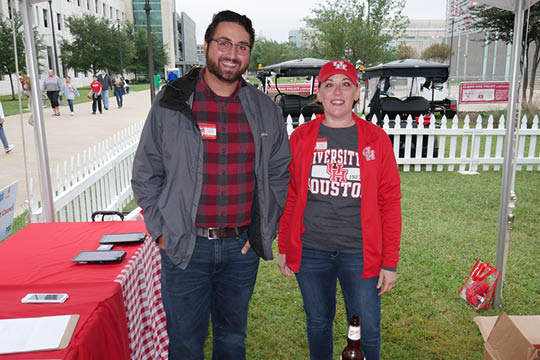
229 16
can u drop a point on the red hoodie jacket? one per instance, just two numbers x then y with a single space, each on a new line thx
380 200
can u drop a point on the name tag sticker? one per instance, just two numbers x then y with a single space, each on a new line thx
208 131
321 145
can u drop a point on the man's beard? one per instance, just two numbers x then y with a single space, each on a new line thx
229 76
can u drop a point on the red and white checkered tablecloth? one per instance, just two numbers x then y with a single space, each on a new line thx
141 288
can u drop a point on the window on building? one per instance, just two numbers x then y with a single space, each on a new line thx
59 21
117 17
110 12
104 10
78 2
45 18
50 57
88 4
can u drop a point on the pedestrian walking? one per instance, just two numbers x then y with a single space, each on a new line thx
210 173
70 91
95 95
106 84
7 146
25 84
171 75
51 86
119 83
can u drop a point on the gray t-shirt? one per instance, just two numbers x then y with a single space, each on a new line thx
332 216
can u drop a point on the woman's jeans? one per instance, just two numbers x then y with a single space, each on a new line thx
217 283
119 93
70 103
3 137
317 279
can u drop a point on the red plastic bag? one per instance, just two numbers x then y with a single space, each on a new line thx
479 288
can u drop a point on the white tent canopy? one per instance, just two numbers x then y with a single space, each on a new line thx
509 5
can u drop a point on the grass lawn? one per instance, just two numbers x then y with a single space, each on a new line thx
449 221
11 107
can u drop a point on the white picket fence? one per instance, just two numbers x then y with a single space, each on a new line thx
454 146
97 179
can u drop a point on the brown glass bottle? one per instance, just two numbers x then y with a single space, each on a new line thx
353 350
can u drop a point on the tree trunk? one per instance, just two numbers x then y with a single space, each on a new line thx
12 88
536 61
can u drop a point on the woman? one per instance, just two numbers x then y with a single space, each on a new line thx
7 146
95 93
70 91
118 83
52 86
25 84
342 219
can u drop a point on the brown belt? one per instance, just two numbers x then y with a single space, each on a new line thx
220 232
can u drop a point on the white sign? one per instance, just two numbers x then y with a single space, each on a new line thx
8 195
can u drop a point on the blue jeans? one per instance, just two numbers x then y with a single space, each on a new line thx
119 93
217 283
105 96
317 279
3 137
70 103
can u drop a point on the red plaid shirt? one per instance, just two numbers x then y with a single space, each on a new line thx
229 160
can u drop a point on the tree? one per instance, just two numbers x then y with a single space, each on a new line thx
499 25
139 63
7 55
405 51
268 52
438 52
357 31
95 44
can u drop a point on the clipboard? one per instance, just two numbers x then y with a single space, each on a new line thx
17 332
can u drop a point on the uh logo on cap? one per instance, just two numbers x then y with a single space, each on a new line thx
340 65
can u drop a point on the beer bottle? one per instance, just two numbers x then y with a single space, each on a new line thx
353 350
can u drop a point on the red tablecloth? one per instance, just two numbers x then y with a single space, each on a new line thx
114 323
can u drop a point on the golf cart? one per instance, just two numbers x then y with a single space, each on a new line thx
405 88
293 99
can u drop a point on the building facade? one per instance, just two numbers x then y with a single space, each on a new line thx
187 44
301 38
162 23
473 57
421 34
47 16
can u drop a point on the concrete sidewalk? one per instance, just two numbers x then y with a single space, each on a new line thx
66 136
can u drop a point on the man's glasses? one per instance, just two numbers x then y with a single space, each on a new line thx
225 45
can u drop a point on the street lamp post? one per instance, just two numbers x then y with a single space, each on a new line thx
57 69
120 47
451 46
147 8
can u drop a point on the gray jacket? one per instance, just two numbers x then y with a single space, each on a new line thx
51 83
168 168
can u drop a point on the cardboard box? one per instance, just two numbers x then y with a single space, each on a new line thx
510 337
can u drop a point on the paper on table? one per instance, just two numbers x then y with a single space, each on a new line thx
34 334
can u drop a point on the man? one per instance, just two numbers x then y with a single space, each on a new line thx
171 75
211 175
106 84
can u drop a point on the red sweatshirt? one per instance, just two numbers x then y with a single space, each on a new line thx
380 196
